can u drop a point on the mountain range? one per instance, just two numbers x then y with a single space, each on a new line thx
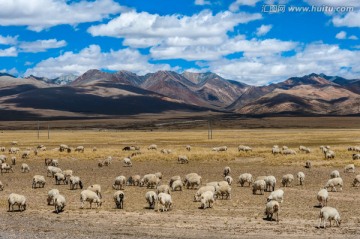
98 94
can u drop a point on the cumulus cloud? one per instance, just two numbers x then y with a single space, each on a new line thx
353 37
263 30
41 45
13 71
341 35
202 2
41 14
8 52
8 40
93 58
236 5
351 19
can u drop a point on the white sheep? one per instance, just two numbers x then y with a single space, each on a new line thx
127 162
177 185
276 150
74 182
350 168
159 175
223 148
188 147
59 203
277 195
152 147
119 197
25 154
206 199
201 190
95 188
332 183
301 177
226 171
1 186
13 160
80 149
120 182
2 158
329 213
6 168
304 149
329 154
356 181
244 148
51 194
335 174
259 185
223 190
165 200
229 179
308 164
67 173
60 177
54 163
151 198
270 183
107 161
245 178
285 147
17 199
323 197
287 180
166 151
2 149
38 181
355 156
52 171
151 180
14 150
91 197
173 179
193 182
182 159
134 180
163 189
289 152
272 207
214 184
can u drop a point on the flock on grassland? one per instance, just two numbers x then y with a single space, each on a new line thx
161 195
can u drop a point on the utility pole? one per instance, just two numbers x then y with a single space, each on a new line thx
48 131
38 130
209 129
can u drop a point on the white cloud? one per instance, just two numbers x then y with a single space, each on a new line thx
341 35
8 52
41 45
41 14
202 2
263 30
93 58
351 19
13 71
353 37
334 3
236 5
8 40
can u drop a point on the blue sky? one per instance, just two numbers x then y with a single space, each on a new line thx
233 38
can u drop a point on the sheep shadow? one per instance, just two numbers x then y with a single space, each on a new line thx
317 206
149 208
269 219
57 213
15 210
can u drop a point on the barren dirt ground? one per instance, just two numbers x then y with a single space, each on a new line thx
240 217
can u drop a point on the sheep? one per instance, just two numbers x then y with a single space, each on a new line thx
288 151
216 149
133 180
173 179
188 176
80 149
1 186
356 181
152 147
52 171
201 190
59 203
127 162
95 188
188 147
60 177
25 154
91 197
335 174
41 147
214 184
329 213
177 185
276 150
14 142
329 154
260 178
151 198
63 147
272 207
259 185
270 183
6 167
332 183
48 161
38 181
244 148
206 199
277 195
135 154
285 147
25 168
159 175
54 163
323 197
287 180
245 178
308 164
2 149
151 180
75 181
100 164
182 159
355 156
51 194
193 182
223 190
324 148
166 151
13 160
107 161
301 177
145 179
304 149
3 158
14 150
120 181
17 199
350 168
165 200
67 173
163 189
226 171
94 149
229 179
119 197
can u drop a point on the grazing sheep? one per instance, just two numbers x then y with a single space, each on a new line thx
275 150
188 147
80 149
3 158
163 189
173 179
127 162
75 181
201 190
94 149
91 197
52 171
60 177
25 168
120 181
107 161
1 186
165 200
229 179
38 181
100 164
259 185
216 149
223 190
6 167
285 147
287 180
223 148
25 154
244 148
335 174
270 183
193 182
226 171
301 177
152 147
13 160
350 168
95 188
67 173
64 147
151 180
332 183
166 151
206 199
356 181
323 197
159 175
304 149
54 163
329 154
14 150
308 164
119 197
59 203
182 159
2 149
188 176
51 194
245 178
324 148
14 142
133 180
145 179
151 198
272 207
329 213
177 185
355 156
48 161
288 151
277 195
17 199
